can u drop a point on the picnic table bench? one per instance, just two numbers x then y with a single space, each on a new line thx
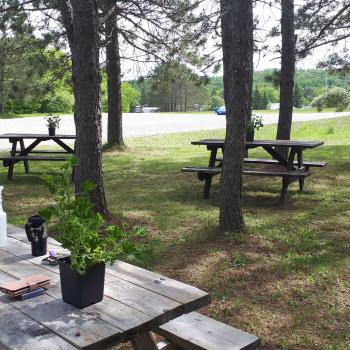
136 302
291 168
29 153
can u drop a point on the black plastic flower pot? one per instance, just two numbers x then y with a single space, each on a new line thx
81 291
52 131
250 135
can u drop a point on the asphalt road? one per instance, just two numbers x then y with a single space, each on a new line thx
144 124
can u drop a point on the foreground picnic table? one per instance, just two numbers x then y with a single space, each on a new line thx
24 154
291 168
136 301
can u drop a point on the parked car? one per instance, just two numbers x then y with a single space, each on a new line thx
221 110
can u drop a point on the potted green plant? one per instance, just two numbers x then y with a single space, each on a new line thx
91 242
52 122
254 124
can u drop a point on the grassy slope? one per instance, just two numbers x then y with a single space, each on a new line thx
286 279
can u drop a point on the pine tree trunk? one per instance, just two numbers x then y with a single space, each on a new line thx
115 121
81 22
237 42
287 71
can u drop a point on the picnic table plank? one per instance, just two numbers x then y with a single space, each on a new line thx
128 309
20 332
35 136
71 324
123 298
130 294
263 143
115 313
177 291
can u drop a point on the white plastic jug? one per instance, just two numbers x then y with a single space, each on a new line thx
3 223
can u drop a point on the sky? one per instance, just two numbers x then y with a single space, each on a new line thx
269 16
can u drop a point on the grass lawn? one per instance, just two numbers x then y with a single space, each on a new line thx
286 279
7 115
266 111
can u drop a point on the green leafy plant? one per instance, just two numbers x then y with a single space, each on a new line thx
82 231
53 121
255 123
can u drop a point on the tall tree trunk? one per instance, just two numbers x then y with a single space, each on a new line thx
287 71
115 121
237 45
81 22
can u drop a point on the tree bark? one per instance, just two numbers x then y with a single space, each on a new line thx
237 45
115 119
81 22
287 71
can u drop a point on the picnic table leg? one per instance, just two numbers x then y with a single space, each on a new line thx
300 166
286 179
143 341
11 163
285 184
208 178
25 162
207 186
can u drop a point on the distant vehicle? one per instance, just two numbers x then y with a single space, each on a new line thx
275 106
221 110
145 109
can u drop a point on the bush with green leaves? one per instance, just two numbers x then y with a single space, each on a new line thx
336 97
82 231
53 121
255 123
60 101
319 102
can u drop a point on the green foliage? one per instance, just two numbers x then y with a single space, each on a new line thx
297 98
215 102
60 101
336 97
319 102
53 121
81 231
255 123
260 100
130 97
175 87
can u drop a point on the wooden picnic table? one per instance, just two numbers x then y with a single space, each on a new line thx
27 153
294 167
136 302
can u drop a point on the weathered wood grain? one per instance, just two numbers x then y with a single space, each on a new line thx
73 325
20 332
198 332
123 313
192 297
132 295
136 300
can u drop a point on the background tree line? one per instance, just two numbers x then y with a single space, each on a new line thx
42 84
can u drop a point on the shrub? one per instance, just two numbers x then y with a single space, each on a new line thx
319 102
338 98
61 101
82 231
